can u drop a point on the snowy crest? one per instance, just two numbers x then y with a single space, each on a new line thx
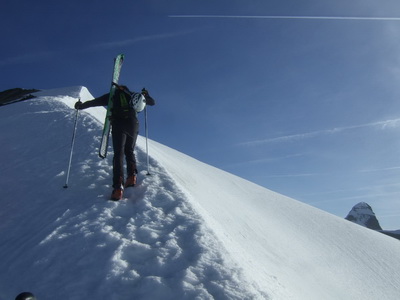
69 96
188 231
363 215
68 92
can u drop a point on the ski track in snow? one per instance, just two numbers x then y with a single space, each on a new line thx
151 245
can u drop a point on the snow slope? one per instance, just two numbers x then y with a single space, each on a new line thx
188 231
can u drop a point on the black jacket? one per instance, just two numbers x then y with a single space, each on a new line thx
103 100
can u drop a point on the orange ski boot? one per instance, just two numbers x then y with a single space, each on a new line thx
130 181
117 194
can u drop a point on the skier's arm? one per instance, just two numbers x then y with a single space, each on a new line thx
99 101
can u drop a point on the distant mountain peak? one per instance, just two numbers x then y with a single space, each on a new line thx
362 214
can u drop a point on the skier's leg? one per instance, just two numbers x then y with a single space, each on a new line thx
119 139
130 156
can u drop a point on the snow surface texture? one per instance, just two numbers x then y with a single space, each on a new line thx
188 231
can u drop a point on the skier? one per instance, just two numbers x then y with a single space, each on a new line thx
125 129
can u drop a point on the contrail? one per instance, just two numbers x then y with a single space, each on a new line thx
290 17
394 123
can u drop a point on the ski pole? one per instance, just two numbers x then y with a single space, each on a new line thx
72 146
147 137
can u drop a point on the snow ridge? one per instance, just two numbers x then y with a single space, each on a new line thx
153 247
189 231
158 246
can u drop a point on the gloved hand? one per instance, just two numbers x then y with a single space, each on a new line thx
149 100
145 92
78 105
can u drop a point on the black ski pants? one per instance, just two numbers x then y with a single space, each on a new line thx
124 136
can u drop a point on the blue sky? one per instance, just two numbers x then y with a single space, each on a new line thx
306 107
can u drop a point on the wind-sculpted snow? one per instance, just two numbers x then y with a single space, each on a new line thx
152 246
75 244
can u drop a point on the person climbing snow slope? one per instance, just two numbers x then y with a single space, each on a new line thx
125 129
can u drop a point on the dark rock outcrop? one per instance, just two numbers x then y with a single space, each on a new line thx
15 95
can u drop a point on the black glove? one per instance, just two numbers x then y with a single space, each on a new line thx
78 105
149 100
145 92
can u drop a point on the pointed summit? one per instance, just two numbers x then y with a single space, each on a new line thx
363 215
